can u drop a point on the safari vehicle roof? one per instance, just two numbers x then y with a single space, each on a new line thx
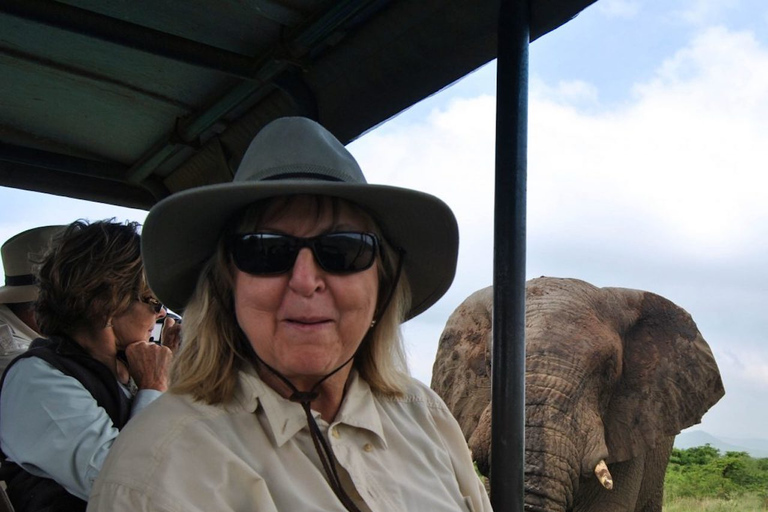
127 102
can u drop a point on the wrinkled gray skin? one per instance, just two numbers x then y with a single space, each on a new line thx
611 374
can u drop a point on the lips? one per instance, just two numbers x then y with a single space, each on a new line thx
303 319
308 321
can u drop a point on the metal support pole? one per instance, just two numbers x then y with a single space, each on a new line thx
508 367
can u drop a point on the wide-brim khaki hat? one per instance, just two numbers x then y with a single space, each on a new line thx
20 284
294 155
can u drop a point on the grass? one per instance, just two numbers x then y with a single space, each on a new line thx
745 503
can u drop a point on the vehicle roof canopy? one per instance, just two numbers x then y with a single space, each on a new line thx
128 102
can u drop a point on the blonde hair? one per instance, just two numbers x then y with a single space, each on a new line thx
215 348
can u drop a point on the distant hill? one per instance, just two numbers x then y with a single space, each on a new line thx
757 448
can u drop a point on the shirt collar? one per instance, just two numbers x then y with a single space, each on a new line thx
359 408
286 418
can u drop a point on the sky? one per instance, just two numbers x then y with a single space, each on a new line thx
648 138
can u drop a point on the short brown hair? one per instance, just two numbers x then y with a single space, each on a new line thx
93 272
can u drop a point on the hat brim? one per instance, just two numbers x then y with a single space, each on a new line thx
181 232
18 294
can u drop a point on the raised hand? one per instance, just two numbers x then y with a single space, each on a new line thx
149 365
171 334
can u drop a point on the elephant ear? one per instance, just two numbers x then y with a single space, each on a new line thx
460 374
669 376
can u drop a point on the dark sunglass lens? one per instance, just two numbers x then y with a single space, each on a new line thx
155 304
345 252
264 253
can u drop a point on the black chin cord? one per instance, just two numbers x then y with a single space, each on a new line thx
321 445
305 398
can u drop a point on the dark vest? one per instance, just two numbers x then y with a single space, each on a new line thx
30 493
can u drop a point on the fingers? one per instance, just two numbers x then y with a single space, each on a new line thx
171 334
149 365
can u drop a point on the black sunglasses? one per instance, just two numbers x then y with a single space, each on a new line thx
155 304
271 253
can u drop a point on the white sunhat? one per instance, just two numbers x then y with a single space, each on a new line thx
20 283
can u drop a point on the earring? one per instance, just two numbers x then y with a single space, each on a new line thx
373 322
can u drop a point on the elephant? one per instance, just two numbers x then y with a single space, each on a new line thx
612 375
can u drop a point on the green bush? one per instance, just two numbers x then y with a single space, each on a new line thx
716 482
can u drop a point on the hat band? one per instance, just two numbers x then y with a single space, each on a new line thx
25 280
301 176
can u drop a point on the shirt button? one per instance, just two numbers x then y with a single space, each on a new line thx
335 433
368 447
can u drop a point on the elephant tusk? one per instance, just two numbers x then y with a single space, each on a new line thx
602 473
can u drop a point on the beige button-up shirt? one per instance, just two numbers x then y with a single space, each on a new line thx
256 455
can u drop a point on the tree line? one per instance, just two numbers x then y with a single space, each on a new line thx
703 472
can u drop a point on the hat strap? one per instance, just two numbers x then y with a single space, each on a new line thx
323 449
24 280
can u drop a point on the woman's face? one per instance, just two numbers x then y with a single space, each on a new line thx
306 322
135 324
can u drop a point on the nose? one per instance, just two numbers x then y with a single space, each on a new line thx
306 276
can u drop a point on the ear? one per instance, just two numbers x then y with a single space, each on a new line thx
461 373
669 376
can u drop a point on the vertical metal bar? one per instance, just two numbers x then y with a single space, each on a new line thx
508 367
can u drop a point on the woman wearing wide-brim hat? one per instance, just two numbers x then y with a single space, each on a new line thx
18 325
291 389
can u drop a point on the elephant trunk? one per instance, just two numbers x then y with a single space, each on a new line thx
564 435
550 489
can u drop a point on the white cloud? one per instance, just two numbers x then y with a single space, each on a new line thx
421 353
744 372
441 154
450 155
685 155
665 192
757 374
573 92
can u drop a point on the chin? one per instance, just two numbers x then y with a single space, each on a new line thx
313 366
